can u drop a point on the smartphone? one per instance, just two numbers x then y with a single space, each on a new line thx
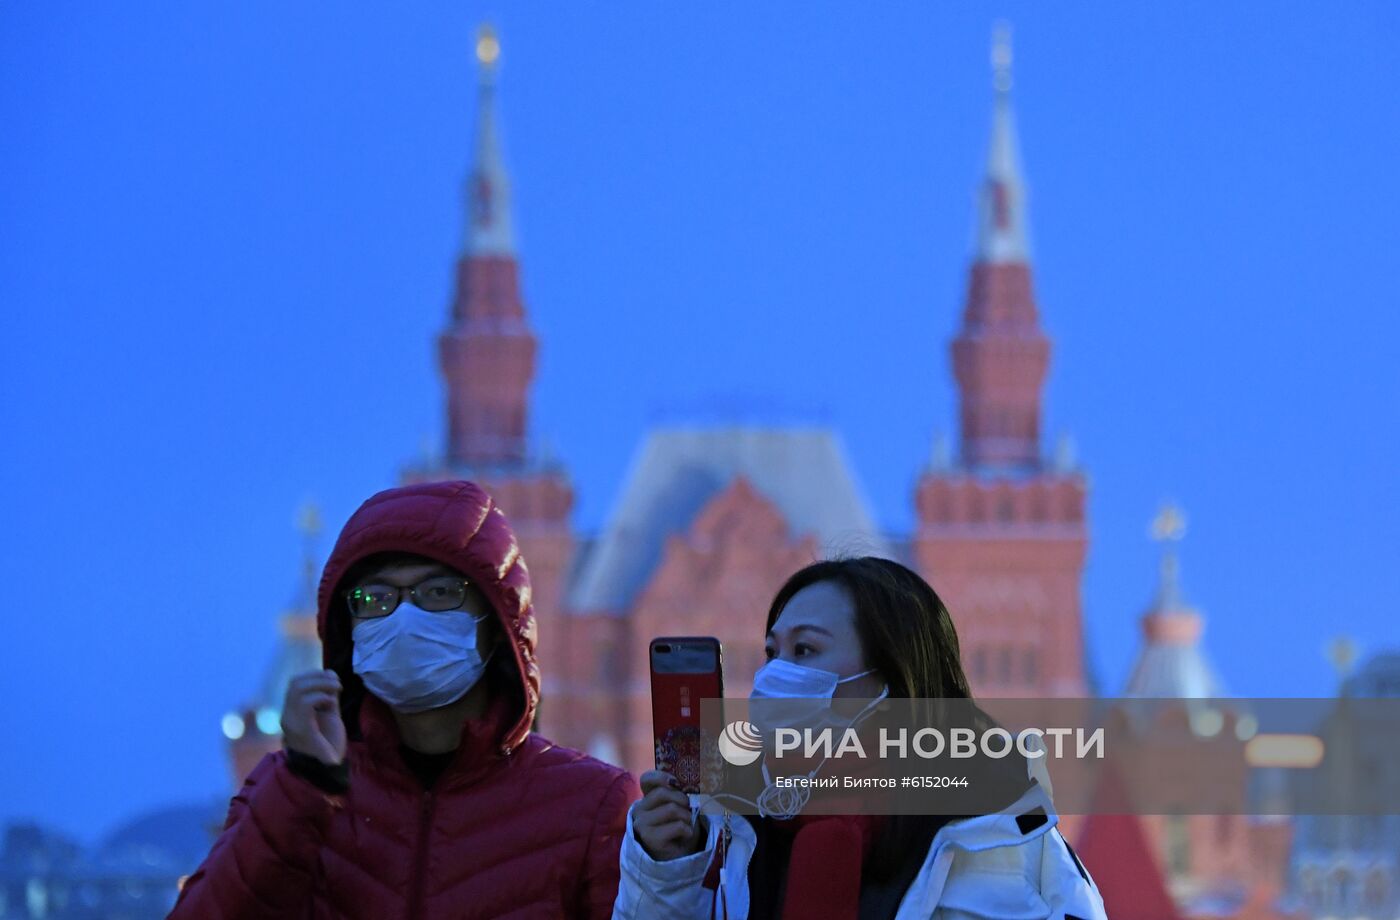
684 671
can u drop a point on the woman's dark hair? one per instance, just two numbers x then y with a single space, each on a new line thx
904 628
907 634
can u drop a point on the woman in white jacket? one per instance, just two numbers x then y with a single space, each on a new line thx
852 628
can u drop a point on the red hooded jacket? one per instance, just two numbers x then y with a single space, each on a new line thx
514 827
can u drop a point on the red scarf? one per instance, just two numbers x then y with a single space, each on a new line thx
824 870
824 867
829 851
828 854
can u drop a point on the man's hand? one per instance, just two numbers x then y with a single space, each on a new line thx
311 722
662 821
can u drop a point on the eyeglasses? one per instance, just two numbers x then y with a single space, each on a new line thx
439 593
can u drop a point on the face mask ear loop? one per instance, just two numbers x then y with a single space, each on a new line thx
783 804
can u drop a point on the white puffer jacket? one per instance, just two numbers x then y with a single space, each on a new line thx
991 867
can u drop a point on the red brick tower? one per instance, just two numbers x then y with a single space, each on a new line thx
487 356
1001 532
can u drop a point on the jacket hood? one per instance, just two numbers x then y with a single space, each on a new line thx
457 524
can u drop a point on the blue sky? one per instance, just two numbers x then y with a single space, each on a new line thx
211 213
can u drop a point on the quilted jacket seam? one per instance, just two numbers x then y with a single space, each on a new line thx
616 789
356 865
271 846
484 510
243 876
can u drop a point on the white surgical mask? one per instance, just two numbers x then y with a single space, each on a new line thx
415 659
805 694
788 695
780 679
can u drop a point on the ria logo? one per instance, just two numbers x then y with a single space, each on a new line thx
740 743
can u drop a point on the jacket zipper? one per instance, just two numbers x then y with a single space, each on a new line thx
725 836
420 864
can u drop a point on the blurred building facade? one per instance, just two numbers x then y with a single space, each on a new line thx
1347 864
134 874
1229 864
711 520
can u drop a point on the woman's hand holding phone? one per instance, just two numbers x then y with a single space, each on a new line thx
663 822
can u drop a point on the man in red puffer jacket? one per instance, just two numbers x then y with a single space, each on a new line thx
411 786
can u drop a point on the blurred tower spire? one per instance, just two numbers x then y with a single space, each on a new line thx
309 523
1001 355
254 729
1001 230
1341 653
1168 528
1172 663
1002 530
487 353
490 230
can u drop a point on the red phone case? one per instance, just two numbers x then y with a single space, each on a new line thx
684 671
